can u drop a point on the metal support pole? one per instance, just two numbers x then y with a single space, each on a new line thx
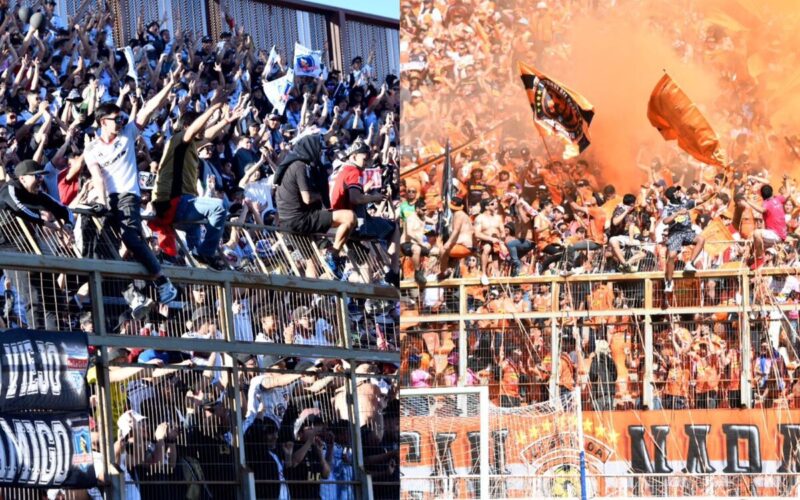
647 379
484 442
747 350
554 357
351 395
581 446
462 336
246 478
344 319
107 438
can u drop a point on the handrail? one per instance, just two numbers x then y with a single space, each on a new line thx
132 270
578 278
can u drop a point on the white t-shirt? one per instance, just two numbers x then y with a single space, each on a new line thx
117 160
275 400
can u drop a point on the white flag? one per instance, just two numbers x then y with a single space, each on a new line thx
272 61
307 62
128 51
277 91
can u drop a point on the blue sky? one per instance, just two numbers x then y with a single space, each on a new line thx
383 8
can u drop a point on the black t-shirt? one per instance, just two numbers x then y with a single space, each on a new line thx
475 192
309 470
287 196
617 229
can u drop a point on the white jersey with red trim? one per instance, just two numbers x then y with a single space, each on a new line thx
117 160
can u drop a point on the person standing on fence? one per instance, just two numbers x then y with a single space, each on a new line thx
175 197
111 159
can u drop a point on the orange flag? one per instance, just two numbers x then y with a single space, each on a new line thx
557 110
677 117
717 236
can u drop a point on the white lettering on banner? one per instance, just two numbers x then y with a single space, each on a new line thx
41 450
10 453
23 451
36 455
54 370
47 442
13 376
62 452
23 378
30 366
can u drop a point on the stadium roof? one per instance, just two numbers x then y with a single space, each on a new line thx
389 10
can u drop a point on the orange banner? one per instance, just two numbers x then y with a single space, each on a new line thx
676 117
644 441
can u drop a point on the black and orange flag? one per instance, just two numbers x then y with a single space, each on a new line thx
677 118
558 110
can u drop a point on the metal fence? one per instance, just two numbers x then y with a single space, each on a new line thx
282 341
458 328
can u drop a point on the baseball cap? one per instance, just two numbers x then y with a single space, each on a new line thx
357 147
28 167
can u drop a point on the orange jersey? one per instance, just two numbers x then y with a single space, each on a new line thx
566 375
707 376
509 384
677 382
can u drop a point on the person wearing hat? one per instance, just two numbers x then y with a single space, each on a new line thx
680 232
111 160
263 457
23 197
348 194
461 242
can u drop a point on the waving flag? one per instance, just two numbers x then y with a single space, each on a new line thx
272 62
558 110
677 118
277 91
307 62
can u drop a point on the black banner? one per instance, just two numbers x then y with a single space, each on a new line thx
46 451
43 370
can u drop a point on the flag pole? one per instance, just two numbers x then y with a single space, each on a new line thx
544 142
582 455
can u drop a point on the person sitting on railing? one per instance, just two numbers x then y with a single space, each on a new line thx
175 197
680 232
300 199
348 194
774 230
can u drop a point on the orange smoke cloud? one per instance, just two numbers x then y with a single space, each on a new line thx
615 59
616 63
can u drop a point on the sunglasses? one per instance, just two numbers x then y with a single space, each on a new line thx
116 119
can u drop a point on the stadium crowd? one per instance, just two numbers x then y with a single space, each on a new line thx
517 209
107 140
